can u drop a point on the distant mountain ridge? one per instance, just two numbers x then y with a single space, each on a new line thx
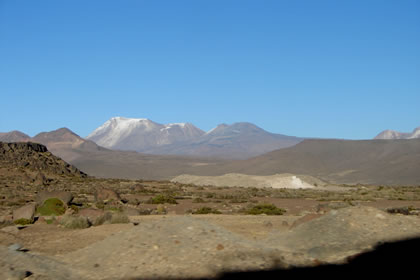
14 136
236 141
62 142
392 134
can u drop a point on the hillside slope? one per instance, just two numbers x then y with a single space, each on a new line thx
342 161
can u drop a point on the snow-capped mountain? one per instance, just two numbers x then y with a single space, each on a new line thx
239 140
392 134
141 134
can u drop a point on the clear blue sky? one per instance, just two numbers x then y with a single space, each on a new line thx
339 69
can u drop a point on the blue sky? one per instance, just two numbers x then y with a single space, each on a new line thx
336 69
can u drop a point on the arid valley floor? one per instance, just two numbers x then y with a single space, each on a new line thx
137 229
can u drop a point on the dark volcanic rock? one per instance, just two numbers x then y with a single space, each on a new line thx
35 157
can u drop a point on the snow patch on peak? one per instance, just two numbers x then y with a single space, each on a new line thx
176 124
220 126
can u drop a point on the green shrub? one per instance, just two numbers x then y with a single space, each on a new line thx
74 222
206 210
22 221
268 209
52 207
162 199
100 205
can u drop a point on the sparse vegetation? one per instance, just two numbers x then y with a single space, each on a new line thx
162 199
405 210
198 200
74 222
206 210
52 207
267 209
23 221
112 218
119 218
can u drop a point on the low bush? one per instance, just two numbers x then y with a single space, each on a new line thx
52 207
267 209
74 222
22 221
198 200
162 199
112 218
206 210
405 210
119 218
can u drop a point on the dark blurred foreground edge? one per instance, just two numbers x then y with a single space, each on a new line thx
401 258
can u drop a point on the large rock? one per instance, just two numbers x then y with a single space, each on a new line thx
344 232
65 197
24 212
90 213
106 195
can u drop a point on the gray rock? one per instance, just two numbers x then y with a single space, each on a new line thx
65 197
91 214
24 212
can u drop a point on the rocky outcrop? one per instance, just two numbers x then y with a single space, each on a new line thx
35 157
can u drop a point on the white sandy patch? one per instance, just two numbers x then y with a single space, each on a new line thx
278 181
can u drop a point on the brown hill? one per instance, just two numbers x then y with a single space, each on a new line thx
386 162
14 136
65 143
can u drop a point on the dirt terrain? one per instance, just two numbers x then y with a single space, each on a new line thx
178 230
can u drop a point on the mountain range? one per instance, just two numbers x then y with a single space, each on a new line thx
392 134
237 141
391 162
